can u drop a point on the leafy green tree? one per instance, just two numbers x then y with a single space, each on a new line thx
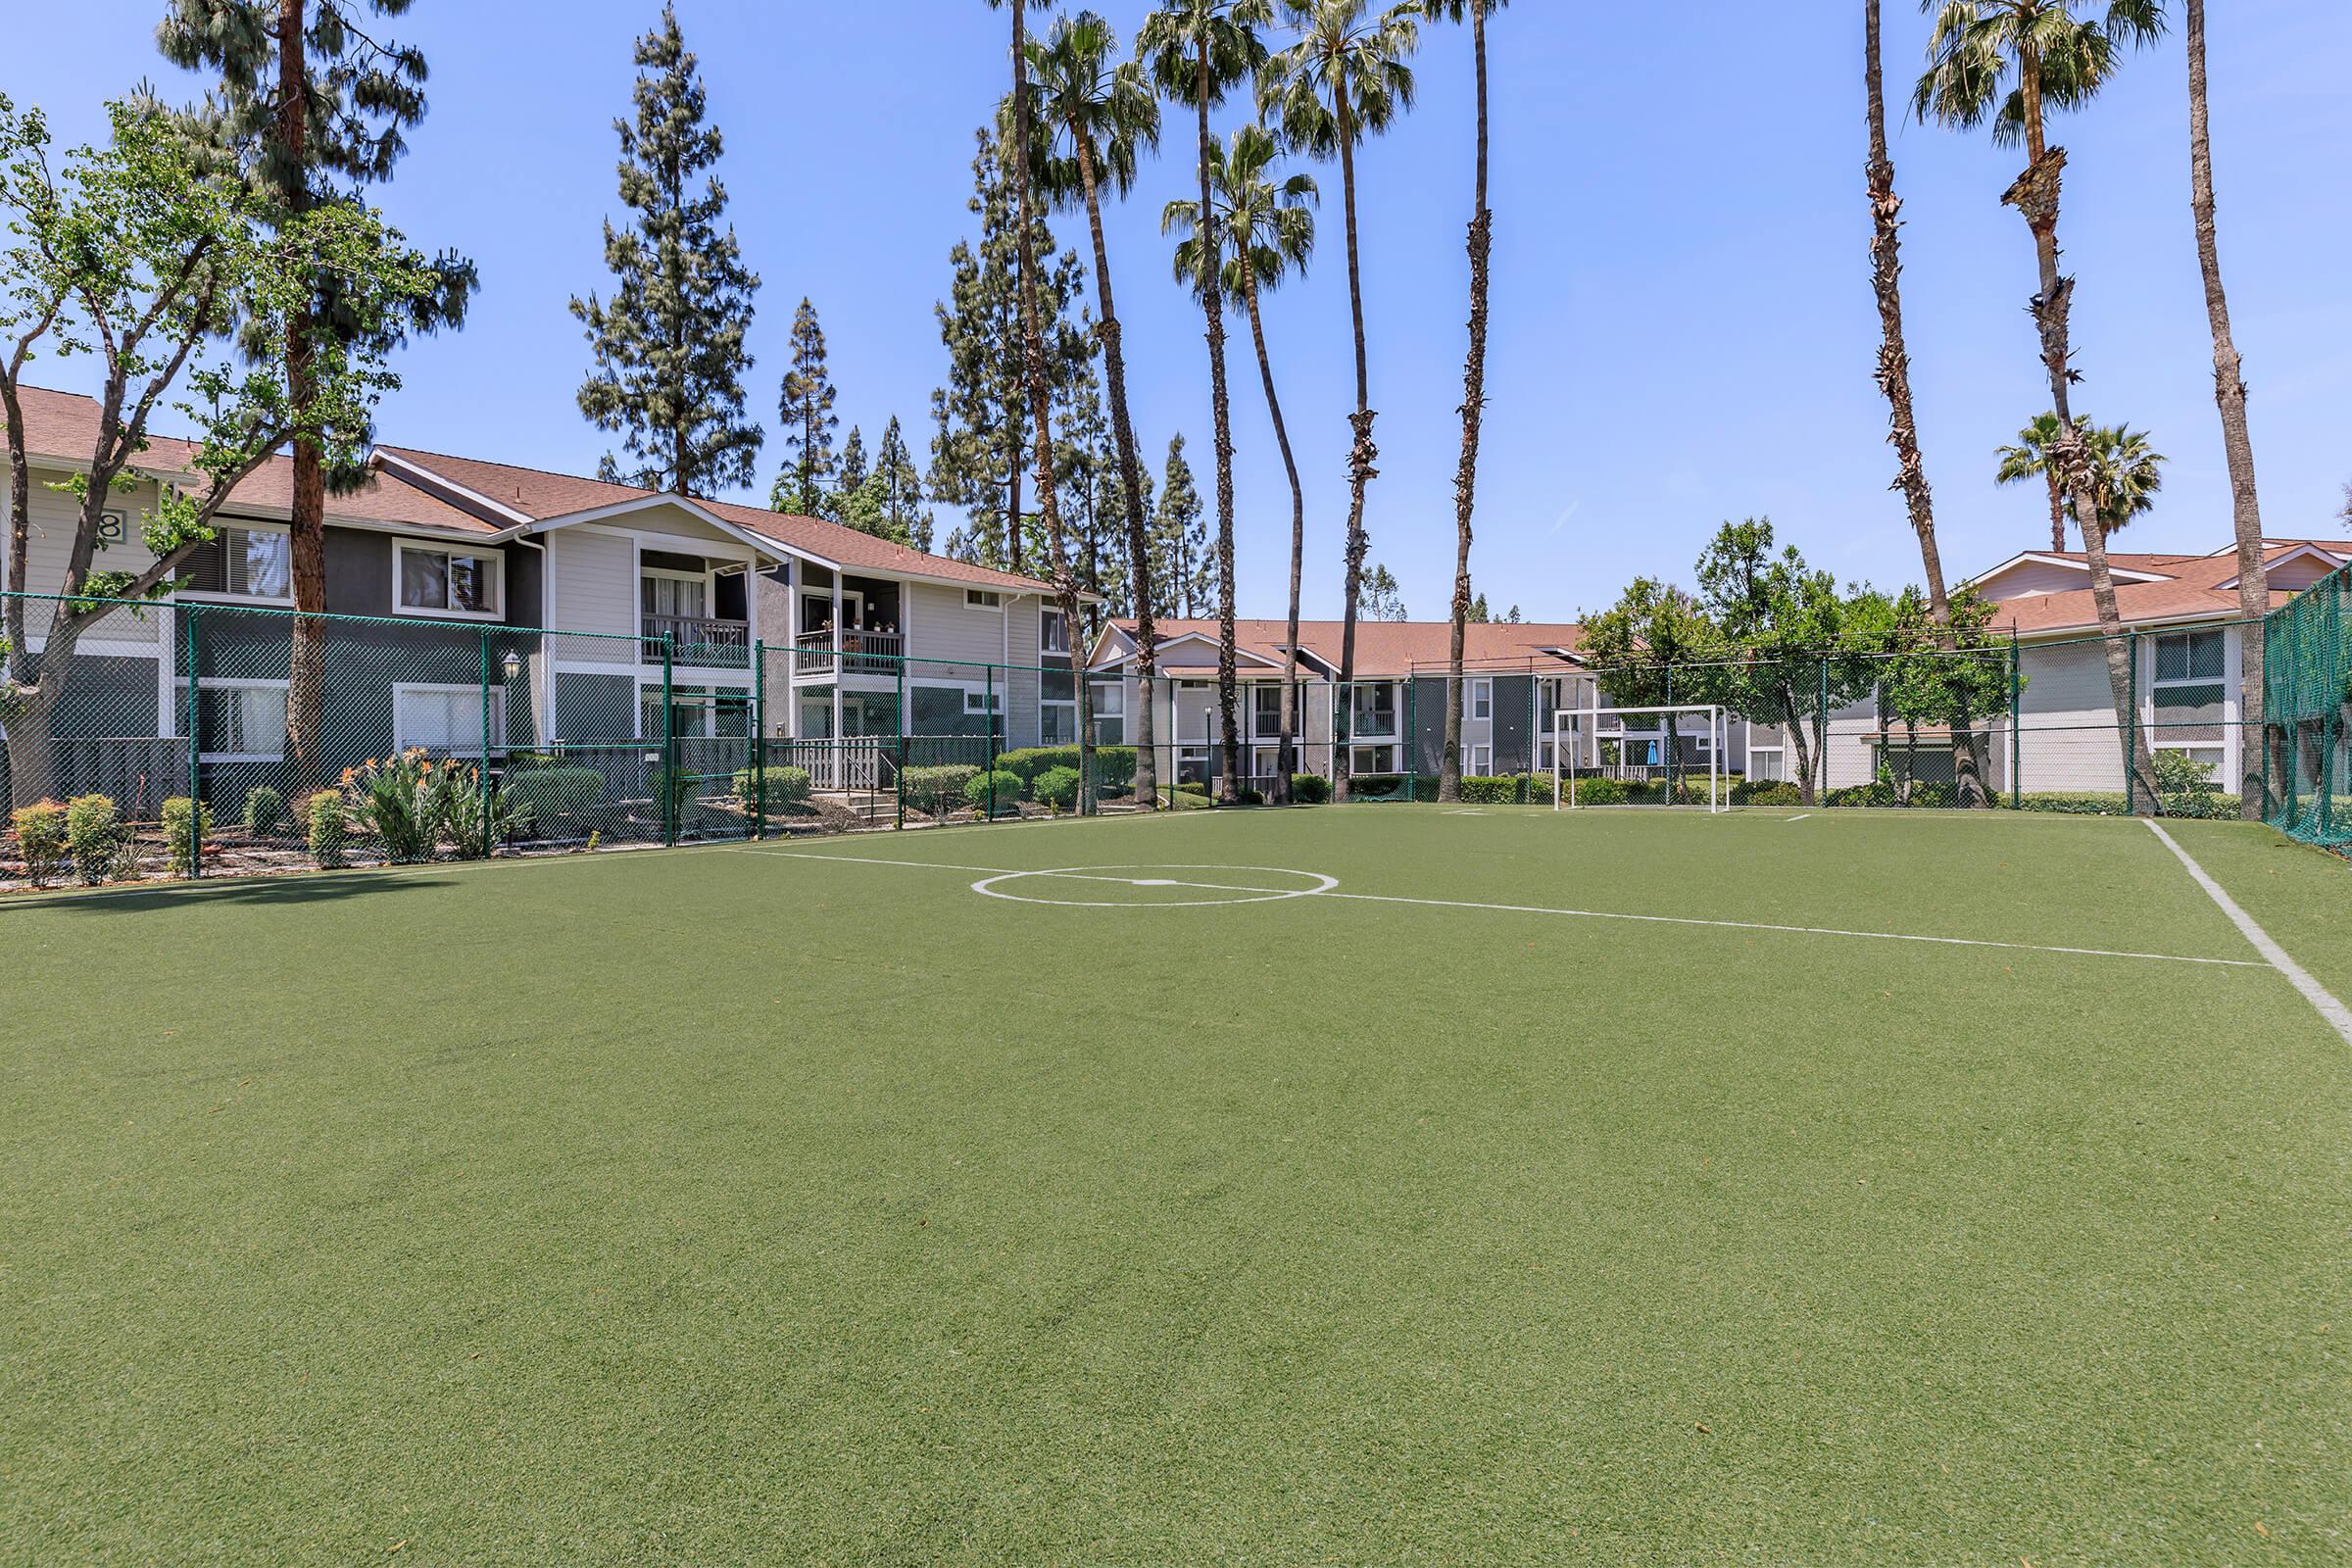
144 254
1384 600
804 405
2008 62
1346 78
1182 563
1953 676
1474 389
669 345
1267 225
314 107
1653 647
1096 113
1201 50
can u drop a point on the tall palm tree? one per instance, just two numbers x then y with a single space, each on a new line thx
1201 50
1474 394
2030 459
2125 472
1094 116
2237 445
2009 62
1895 384
1268 232
1346 78
1033 356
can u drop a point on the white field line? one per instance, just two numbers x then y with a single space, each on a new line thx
1800 816
1573 915
2339 1016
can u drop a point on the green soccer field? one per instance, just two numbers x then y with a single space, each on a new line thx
1261 1187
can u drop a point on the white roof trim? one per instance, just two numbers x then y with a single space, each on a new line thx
2296 553
391 460
759 543
2046 559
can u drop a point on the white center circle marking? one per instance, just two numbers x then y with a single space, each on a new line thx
1218 880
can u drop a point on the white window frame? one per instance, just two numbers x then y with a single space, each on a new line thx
1045 703
979 700
1110 698
1478 759
1273 719
179 710
473 689
1048 615
982 598
1396 713
444 547
1356 750
704 579
1482 698
224 595
2156 685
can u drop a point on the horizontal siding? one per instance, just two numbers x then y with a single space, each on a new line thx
50 543
939 625
2066 717
595 590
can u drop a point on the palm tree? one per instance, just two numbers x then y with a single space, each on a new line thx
2009 62
2125 472
1345 78
1474 394
2237 445
1201 50
1033 356
2030 459
1268 232
1095 115
1895 384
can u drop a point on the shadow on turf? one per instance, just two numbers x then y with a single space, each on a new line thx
306 888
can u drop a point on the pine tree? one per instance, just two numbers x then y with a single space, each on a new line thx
900 486
1479 615
806 406
1384 600
980 416
669 347
1110 505
357 95
1184 568
852 459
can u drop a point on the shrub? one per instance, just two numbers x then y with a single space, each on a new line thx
94 832
555 793
40 839
1249 797
1188 800
478 821
1493 791
1603 792
1001 788
935 791
264 810
400 802
327 830
2184 786
1114 767
677 787
186 823
1773 792
1056 787
786 787
1309 789
1028 761
2084 803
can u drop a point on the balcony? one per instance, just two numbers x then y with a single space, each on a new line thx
698 640
860 653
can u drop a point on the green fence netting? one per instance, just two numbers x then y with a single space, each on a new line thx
2306 664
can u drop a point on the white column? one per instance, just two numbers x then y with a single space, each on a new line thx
840 666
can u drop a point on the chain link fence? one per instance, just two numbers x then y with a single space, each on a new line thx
2307 669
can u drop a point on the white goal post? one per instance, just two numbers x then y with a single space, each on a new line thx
1577 740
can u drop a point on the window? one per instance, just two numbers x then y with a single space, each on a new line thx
447 720
237 720
982 598
980 700
1372 709
1052 632
667 594
1366 759
1057 723
243 563
446 583
1482 698
1110 712
2187 701
1265 707
1478 760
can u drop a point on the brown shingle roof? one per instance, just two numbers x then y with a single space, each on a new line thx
1390 647
541 496
2192 588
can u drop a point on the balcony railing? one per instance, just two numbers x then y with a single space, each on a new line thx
700 641
860 653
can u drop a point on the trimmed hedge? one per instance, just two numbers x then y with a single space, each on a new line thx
1491 790
1771 792
935 791
1309 789
786 787
1110 766
1056 787
555 793
1003 787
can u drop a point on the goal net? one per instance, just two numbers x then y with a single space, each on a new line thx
1668 756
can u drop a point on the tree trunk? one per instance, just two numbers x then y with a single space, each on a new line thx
2237 445
1794 729
1895 384
1221 417
306 660
2050 477
1288 753
1361 454
1139 539
1474 397
31 747
1033 342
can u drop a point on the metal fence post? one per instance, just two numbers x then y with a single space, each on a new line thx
1412 738
988 717
758 758
2132 728
195 750
1821 736
669 745
2017 686
483 778
898 795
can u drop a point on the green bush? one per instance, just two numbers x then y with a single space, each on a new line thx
787 788
1493 791
1601 792
478 821
1056 787
264 810
1001 788
40 839
935 791
1188 800
180 814
1249 797
95 834
2184 786
1028 761
400 802
2082 803
1309 789
1111 767
325 829
555 793
1772 792
1114 767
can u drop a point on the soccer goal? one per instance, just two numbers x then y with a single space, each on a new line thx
1622 756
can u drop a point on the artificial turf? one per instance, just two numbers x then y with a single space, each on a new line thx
728 1207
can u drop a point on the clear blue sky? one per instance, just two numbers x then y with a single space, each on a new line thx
1684 329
